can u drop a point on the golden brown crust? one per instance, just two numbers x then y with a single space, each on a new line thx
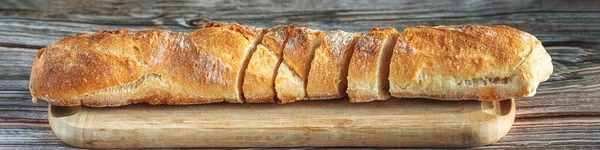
367 70
62 70
292 74
297 52
329 68
277 37
249 33
211 68
466 62
259 86
113 68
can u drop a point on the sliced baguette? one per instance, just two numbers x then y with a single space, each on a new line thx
369 67
292 74
467 62
227 62
329 68
259 80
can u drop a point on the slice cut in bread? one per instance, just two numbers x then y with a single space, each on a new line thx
259 80
369 66
467 62
215 66
253 38
292 74
329 68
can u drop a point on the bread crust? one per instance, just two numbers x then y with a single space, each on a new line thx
292 74
329 68
86 63
114 68
367 77
259 86
255 35
222 51
467 62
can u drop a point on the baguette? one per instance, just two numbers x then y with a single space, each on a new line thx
467 62
234 63
369 67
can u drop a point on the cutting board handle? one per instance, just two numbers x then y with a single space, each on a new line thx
499 108
64 111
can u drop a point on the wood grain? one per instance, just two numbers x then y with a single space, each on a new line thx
564 114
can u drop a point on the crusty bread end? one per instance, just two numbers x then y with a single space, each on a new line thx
467 63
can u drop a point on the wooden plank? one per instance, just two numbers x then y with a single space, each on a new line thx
166 12
561 28
13 135
570 30
51 21
553 132
15 64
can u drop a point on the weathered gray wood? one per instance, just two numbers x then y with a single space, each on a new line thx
15 64
54 20
564 114
555 132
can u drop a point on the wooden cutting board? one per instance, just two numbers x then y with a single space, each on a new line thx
392 123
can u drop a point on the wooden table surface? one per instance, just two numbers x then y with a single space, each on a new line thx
565 113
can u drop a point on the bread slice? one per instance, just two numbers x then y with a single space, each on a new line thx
224 51
369 67
467 62
292 74
329 68
259 80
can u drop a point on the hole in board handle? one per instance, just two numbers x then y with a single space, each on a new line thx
500 107
64 111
